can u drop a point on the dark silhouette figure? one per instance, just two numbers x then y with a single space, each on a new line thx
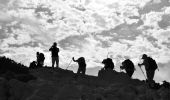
37 55
82 65
54 54
150 67
108 63
128 66
33 65
40 59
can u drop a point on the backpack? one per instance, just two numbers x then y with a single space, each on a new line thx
129 64
41 56
152 63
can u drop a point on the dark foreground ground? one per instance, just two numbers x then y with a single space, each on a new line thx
59 84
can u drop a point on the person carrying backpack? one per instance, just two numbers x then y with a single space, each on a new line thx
40 59
33 65
128 66
108 63
150 67
54 54
82 65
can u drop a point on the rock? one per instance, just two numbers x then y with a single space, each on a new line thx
68 92
19 90
3 89
164 93
25 77
113 76
128 92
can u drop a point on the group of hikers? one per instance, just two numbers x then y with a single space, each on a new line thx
40 58
127 65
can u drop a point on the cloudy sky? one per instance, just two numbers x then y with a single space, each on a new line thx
94 29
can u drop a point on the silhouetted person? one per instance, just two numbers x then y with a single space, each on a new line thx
108 63
82 65
128 66
41 59
150 67
54 54
37 55
33 65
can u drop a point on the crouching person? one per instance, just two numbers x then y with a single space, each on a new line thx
128 66
108 64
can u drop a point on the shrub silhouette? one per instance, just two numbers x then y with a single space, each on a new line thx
9 69
7 64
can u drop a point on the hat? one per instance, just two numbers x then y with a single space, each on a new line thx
144 56
55 43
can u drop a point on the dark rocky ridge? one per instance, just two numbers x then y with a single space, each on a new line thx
60 84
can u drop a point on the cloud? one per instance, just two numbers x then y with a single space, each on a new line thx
94 29
154 6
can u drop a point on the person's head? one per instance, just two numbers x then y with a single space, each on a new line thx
54 44
38 53
144 56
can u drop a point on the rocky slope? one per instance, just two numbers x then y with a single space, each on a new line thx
59 84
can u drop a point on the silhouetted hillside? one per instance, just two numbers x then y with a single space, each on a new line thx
7 64
60 84
10 69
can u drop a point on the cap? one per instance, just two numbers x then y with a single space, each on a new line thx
144 56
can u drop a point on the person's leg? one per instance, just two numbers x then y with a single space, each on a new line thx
83 71
38 64
53 61
78 71
57 62
41 63
130 73
150 75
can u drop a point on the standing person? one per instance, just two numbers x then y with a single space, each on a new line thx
82 65
42 58
54 54
38 59
128 66
150 67
37 55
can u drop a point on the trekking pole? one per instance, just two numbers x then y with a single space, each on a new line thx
143 73
69 64
158 68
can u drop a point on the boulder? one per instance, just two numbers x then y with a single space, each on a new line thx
68 92
19 90
3 89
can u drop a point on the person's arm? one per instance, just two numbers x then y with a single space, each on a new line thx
58 50
51 48
74 59
141 64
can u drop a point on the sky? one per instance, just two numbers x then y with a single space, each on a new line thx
95 29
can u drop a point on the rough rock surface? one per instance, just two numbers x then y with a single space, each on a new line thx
59 84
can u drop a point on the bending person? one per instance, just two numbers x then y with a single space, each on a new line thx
128 66
82 65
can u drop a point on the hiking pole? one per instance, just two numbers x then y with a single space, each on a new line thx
143 73
69 64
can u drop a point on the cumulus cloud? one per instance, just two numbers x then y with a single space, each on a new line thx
95 29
